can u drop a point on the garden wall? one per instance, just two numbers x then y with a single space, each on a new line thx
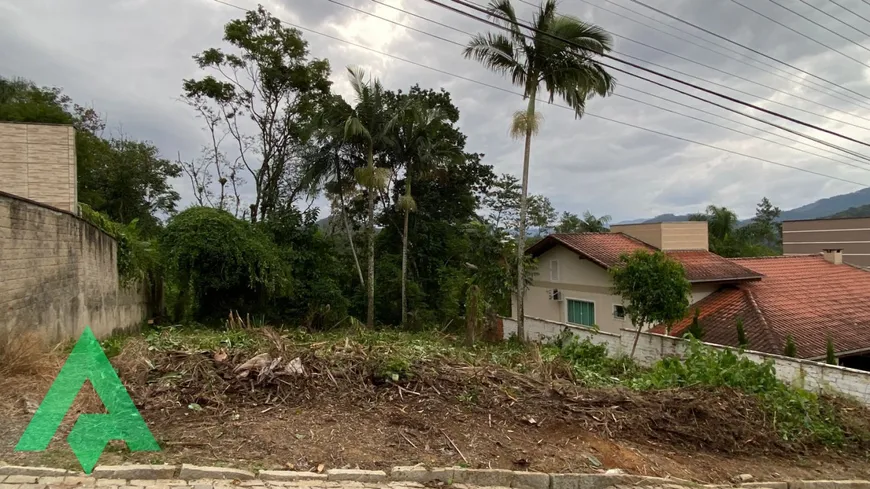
59 274
813 376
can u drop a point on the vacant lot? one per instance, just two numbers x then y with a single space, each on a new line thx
262 398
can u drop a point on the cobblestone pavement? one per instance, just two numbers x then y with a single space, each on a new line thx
29 482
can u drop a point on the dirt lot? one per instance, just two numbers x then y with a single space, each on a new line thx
338 413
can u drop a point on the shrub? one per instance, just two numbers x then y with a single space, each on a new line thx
221 263
790 347
695 328
741 334
590 364
799 415
830 356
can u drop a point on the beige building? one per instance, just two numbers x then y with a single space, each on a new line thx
572 284
851 235
38 162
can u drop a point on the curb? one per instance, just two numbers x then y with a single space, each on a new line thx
412 474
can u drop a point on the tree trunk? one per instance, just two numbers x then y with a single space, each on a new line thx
521 237
636 337
347 226
370 311
471 314
405 253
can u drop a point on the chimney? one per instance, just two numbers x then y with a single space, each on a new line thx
834 256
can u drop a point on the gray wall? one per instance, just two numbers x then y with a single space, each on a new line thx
59 274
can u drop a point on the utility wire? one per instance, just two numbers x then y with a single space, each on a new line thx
818 24
726 73
847 9
820 43
855 155
867 159
628 63
835 18
565 107
827 91
719 36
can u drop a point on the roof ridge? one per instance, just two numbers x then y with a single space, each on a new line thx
779 257
768 332
632 238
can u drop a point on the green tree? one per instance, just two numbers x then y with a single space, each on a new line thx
695 328
569 223
830 354
742 341
419 141
765 230
568 69
653 288
572 223
125 179
221 263
541 215
790 347
369 124
269 81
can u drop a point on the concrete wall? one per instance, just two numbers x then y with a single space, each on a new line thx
583 280
684 235
38 162
651 348
852 235
59 274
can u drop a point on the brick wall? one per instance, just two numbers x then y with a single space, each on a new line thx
38 162
59 274
813 376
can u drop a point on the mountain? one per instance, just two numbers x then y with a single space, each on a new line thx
860 211
855 202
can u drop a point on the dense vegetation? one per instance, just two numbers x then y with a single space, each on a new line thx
421 232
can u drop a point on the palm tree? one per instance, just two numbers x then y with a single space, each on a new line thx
592 224
368 124
563 61
419 143
328 165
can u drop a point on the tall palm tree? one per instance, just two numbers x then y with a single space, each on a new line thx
368 124
563 61
420 146
592 224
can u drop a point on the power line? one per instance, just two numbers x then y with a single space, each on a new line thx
628 63
663 98
827 91
719 36
835 18
734 76
818 24
820 43
856 14
565 107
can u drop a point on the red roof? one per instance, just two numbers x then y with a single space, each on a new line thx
805 297
606 248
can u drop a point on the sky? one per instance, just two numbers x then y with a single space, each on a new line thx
127 59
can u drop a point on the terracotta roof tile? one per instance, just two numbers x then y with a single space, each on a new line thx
606 248
802 296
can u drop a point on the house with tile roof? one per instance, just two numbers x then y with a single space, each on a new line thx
572 284
807 297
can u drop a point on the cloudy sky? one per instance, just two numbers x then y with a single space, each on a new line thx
127 59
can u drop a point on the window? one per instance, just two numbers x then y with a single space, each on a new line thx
554 270
618 311
581 312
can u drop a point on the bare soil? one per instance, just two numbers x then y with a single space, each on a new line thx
342 413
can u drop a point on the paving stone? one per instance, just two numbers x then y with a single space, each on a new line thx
21 479
34 471
483 477
157 486
530 480
416 473
289 475
32 486
356 475
9 486
768 485
826 484
111 482
253 483
134 472
197 472
203 486
54 481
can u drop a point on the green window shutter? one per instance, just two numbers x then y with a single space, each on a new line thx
581 312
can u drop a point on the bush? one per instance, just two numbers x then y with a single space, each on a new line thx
797 414
590 364
221 263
